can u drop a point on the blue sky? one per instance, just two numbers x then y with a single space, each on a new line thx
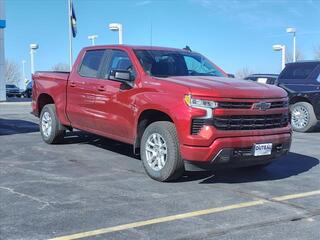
232 33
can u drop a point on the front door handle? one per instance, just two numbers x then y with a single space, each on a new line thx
72 84
101 89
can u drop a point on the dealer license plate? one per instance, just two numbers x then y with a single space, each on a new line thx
262 149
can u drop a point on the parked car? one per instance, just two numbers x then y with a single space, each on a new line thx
176 108
13 91
302 82
28 92
263 78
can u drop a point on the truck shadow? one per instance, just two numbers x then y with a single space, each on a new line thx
98 141
285 167
17 126
317 128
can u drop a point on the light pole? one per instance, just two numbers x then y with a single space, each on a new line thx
23 82
293 31
282 48
33 48
23 69
117 27
93 38
2 62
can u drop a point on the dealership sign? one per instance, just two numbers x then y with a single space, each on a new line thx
2 23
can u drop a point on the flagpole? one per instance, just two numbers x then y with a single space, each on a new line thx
2 61
70 35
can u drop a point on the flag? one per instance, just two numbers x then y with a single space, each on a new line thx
73 20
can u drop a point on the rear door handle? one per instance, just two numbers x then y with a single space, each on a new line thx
101 89
72 84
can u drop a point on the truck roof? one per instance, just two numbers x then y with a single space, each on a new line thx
303 62
124 46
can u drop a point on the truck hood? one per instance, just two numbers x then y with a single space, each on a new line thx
227 87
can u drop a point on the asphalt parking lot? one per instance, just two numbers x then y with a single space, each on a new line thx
92 187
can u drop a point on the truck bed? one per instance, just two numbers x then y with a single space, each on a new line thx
50 83
56 75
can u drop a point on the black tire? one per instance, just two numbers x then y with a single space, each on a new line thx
174 166
312 120
57 131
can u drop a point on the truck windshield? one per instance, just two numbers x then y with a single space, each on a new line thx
166 63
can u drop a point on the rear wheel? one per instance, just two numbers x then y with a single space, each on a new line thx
303 118
50 127
160 152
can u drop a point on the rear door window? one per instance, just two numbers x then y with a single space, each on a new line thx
91 63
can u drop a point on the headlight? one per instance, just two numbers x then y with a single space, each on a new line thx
199 103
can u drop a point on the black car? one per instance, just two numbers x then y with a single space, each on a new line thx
263 78
28 92
13 91
302 82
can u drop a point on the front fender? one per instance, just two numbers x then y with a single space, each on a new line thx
171 105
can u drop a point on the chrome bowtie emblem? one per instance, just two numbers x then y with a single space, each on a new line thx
263 106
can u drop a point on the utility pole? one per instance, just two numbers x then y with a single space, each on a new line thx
3 96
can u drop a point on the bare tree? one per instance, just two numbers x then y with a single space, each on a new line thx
12 72
317 52
289 56
244 72
61 67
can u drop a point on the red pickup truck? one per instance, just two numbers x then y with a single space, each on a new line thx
174 106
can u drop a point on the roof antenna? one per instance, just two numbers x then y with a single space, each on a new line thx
187 48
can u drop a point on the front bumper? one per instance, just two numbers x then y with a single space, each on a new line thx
235 150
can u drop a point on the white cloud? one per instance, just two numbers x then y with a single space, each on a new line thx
143 3
252 13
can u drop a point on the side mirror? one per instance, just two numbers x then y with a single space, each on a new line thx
121 75
230 75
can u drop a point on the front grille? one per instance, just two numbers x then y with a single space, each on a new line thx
248 122
244 122
282 104
251 122
235 105
248 105
197 124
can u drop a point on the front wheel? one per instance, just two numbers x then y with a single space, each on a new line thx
303 117
50 127
160 152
